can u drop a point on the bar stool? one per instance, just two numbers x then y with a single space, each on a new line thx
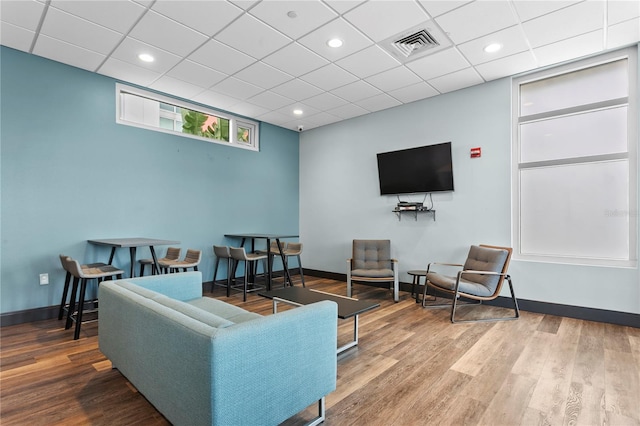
294 249
173 253
238 254
81 276
275 251
222 252
64 306
191 260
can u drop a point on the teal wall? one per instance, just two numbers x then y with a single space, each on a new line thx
70 173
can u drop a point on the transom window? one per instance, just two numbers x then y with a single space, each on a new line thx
140 108
575 164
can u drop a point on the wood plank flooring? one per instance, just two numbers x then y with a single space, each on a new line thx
411 367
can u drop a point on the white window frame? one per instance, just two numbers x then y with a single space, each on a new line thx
254 138
632 154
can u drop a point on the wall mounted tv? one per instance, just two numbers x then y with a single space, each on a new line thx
423 169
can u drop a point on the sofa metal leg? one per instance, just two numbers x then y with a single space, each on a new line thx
321 414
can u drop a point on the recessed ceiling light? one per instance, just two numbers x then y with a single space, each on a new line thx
335 42
493 47
297 111
145 57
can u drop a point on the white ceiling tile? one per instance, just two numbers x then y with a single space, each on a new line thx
441 63
207 17
353 40
237 88
622 10
248 110
24 14
129 50
382 19
509 65
512 40
561 51
127 72
623 34
457 80
295 59
116 15
378 102
197 74
253 37
216 100
270 100
563 24
297 90
438 7
325 101
329 77
79 32
529 9
16 37
157 30
263 75
342 6
309 15
393 79
244 4
175 87
414 92
348 111
276 118
321 119
221 57
70 54
367 62
356 91
476 19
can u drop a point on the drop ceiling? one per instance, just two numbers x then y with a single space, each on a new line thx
265 59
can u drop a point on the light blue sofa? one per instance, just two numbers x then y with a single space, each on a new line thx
201 361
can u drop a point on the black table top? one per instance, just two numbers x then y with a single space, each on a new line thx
347 307
258 235
132 242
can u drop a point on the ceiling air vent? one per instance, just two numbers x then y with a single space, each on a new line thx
416 42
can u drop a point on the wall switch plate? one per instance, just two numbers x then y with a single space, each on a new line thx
44 279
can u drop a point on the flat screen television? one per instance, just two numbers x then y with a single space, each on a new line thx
423 169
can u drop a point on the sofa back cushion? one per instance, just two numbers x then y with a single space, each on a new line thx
225 310
193 312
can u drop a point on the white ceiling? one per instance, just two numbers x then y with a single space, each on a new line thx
251 58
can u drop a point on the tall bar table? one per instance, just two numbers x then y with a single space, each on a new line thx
268 237
133 244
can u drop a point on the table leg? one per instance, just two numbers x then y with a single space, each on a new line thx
132 252
113 253
269 263
284 263
155 260
354 342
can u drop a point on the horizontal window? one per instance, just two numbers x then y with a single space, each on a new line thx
140 108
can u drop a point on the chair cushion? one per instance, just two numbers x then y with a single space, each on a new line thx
449 283
485 259
372 273
371 254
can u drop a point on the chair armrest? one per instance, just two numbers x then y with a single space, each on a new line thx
470 271
442 264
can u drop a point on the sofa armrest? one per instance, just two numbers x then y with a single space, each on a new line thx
288 357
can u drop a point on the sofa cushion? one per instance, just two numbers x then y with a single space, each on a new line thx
192 311
224 310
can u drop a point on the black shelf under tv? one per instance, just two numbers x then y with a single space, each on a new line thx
399 211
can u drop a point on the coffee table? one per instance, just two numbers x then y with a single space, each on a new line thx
347 306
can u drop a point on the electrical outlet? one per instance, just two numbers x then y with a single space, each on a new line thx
44 279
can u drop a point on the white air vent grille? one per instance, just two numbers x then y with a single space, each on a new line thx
415 42
412 43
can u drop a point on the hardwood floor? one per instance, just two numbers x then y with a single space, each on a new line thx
411 367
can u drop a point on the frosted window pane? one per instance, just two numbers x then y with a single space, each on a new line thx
580 135
601 83
576 210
